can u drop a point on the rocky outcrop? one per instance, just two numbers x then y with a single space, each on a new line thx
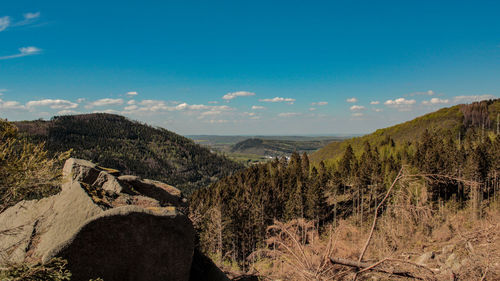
106 225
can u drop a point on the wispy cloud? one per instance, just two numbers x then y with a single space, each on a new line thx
54 104
352 100
320 103
257 107
218 121
67 112
289 114
278 99
110 111
357 114
356 107
28 18
230 96
4 23
130 107
435 101
426 93
462 99
131 94
160 105
104 102
374 102
23 52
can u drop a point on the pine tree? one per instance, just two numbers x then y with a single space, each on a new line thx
305 165
294 207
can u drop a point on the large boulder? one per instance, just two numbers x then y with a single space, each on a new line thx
105 225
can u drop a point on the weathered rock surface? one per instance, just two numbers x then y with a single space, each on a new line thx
105 225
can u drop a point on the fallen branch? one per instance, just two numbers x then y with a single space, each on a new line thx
364 266
375 216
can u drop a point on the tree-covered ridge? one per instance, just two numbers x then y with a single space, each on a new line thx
456 119
133 148
233 214
277 148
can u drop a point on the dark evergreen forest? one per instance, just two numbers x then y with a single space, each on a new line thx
133 148
233 214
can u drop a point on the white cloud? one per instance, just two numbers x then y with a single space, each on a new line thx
230 96
378 110
213 102
110 111
218 121
352 100
4 23
159 105
67 112
130 94
464 99
374 102
11 105
278 99
320 103
435 101
401 104
312 108
356 107
130 107
357 114
104 102
80 100
399 101
289 114
148 102
210 113
256 107
249 113
54 104
427 93
23 52
31 16
28 19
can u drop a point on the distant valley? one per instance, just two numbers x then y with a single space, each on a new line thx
254 149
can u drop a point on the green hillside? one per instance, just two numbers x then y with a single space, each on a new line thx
454 120
274 148
131 147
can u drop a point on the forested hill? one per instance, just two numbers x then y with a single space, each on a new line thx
114 141
233 215
447 121
276 148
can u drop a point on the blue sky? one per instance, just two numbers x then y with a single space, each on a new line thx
248 67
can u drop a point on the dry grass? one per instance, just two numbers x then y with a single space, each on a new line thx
463 247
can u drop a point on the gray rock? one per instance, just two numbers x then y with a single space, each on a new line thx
120 228
130 243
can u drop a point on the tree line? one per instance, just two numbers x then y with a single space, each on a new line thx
232 215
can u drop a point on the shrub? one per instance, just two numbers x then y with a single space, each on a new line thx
26 169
